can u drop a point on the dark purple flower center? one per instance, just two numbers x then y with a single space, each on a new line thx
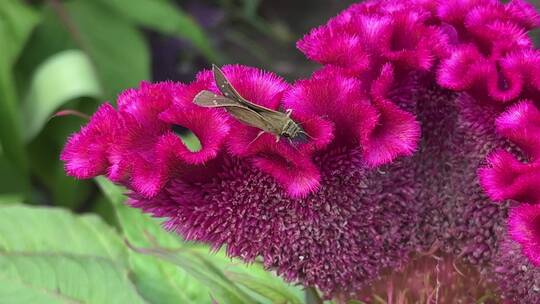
337 238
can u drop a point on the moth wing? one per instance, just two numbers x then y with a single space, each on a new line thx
208 99
276 116
251 118
244 114
228 90
224 85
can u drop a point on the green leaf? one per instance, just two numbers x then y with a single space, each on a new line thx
16 23
10 199
49 38
11 181
164 16
49 255
250 8
261 284
61 278
54 230
158 281
47 168
202 268
63 77
265 284
312 296
117 48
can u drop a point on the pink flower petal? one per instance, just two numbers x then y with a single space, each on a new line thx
85 154
211 128
396 133
365 37
507 178
521 124
524 228
296 173
335 98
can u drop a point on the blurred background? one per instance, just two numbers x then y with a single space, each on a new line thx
76 54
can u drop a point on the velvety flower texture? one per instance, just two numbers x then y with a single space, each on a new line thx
524 227
470 74
423 115
300 206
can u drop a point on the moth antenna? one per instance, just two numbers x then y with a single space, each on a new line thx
288 112
303 132
301 123
293 145
256 137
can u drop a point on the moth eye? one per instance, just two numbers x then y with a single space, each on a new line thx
286 135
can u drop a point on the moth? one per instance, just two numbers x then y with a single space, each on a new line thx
267 120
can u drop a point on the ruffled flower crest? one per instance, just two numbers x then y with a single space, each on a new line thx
289 163
488 61
524 227
364 37
231 192
239 207
506 177
136 145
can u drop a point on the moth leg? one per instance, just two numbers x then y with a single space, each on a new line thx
277 138
256 137
303 132
288 112
292 144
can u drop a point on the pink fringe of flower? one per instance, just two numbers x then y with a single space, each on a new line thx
136 146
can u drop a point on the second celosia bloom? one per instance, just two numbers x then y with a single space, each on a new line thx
475 76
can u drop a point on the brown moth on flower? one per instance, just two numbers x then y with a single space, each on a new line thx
268 120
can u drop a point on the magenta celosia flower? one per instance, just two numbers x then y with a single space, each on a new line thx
424 114
459 65
517 280
507 177
301 207
367 35
457 135
524 227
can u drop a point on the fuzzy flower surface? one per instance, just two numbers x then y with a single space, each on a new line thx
301 207
423 126
469 73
